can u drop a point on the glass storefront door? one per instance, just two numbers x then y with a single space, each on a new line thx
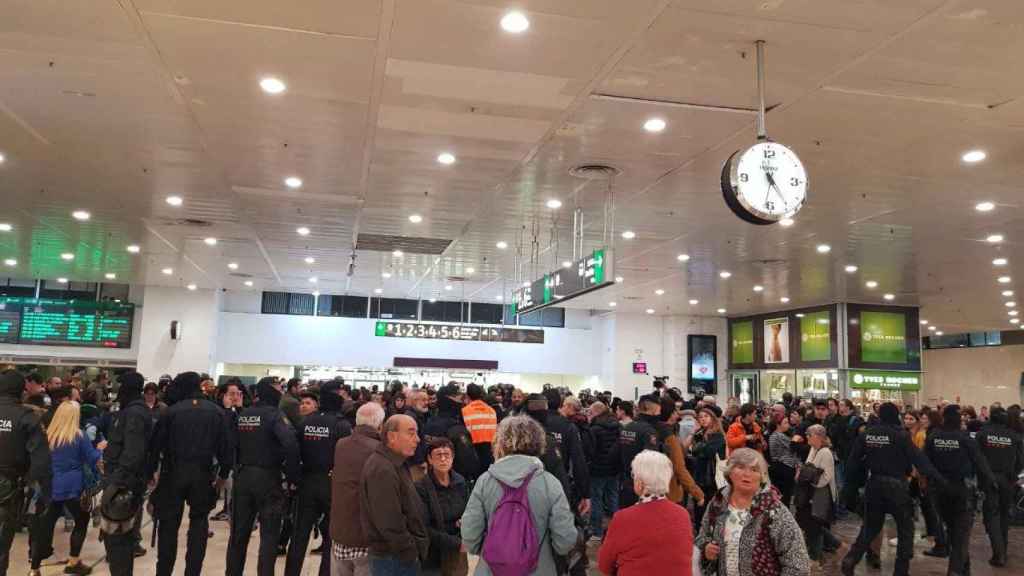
778 382
818 383
744 387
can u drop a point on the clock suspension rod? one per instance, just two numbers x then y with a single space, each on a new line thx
762 130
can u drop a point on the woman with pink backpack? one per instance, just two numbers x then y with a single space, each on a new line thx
518 516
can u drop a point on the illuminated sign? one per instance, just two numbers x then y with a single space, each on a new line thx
586 275
879 380
66 323
437 331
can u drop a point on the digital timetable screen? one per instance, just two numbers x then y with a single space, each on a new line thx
66 323
431 331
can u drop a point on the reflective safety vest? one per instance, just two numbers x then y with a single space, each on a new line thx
481 421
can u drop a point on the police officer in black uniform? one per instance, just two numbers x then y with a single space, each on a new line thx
639 435
266 446
1004 451
567 436
24 455
887 453
128 468
188 439
957 457
319 433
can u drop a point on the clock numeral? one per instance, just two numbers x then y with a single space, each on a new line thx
795 181
744 177
770 206
769 153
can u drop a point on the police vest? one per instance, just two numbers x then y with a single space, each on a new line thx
257 444
318 434
481 421
13 458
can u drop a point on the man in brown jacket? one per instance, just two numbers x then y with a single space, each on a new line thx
350 556
390 506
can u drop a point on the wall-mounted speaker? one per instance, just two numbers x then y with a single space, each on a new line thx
175 330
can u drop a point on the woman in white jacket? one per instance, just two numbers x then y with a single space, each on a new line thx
820 456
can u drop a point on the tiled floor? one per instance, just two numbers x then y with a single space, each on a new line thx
846 531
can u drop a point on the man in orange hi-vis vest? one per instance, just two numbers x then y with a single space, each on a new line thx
482 422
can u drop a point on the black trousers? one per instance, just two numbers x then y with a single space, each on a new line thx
886 495
42 541
190 484
953 505
257 493
996 509
784 478
9 519
120 553
314 502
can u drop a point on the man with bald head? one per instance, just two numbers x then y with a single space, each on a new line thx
389 504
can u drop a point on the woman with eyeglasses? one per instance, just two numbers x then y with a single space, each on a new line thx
444 496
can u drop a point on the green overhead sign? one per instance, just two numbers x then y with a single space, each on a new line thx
816 337
883 337
882 380
587 274
743 342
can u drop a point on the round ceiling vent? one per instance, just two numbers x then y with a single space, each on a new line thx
594 171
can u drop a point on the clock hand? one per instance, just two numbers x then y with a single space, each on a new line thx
773 185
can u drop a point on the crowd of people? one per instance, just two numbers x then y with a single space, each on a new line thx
410 480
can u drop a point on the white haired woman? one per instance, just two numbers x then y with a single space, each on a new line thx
815 502
746 530
654 536
518 446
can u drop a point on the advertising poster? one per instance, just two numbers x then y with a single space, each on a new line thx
815 337
776 341
703 373
883 337
743 342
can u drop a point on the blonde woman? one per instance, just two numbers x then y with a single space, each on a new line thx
70 454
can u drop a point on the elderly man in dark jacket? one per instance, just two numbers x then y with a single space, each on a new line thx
389 505
604 467
349 556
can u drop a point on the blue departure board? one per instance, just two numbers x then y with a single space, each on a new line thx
66 323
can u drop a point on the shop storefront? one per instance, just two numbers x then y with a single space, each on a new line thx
869 386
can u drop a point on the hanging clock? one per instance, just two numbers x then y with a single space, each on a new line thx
764 183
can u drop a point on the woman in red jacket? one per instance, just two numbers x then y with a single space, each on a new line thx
654 536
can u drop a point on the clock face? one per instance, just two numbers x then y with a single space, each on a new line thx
764 183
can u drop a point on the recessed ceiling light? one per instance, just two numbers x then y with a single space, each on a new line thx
725 274
659 292
133 248
1011 304
932 328
293 182
758 288
211 241
415 218
974 156
824 248
81 215
272 85
850 269
5 227
448 287
567 264
313 279
309 260
515 22
174 200
385 275
721 310
1007 293
378 290
871 284
526 284
629 235
433 300
650 310
554 203
994 238
784 299
786 222
316 293
612 304
110 276
1014 320
62 280
302 231
67 256
470 271
999 262
248 283
446 158
167 271
800 315
2 159
984 206
233 265
889 296
694 302
1005 279
501 245
683 257
11 262
191 287
1012 312
499 297
619 279
939 333
397 253
654 125
924 322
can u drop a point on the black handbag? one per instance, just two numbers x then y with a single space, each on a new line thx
822 507
809 474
